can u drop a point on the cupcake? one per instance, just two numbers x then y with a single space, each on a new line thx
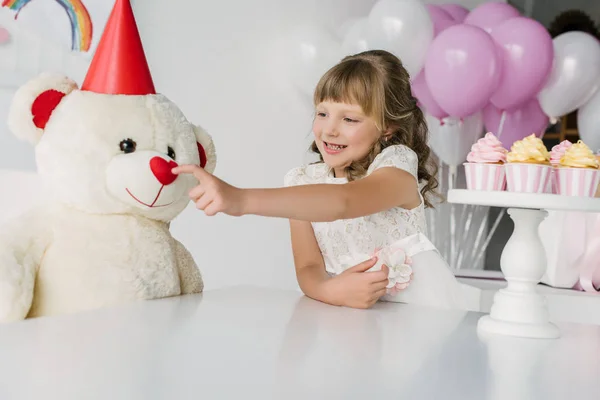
578 172
555 155
528 167
484 169
558 151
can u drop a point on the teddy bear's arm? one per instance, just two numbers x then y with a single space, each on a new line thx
23 242
189 274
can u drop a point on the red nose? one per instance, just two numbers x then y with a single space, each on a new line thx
161 169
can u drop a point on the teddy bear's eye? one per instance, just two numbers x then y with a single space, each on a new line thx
127 146
171 152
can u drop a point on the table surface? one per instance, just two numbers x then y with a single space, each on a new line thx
524 200
259 343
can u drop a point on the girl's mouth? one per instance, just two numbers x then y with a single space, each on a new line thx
332 148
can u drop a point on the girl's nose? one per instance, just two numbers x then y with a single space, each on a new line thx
331 129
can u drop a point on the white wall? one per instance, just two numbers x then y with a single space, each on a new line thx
220 61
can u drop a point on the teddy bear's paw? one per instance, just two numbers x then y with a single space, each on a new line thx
16 288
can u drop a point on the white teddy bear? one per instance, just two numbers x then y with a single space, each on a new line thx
104 153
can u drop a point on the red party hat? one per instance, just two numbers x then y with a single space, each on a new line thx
119 65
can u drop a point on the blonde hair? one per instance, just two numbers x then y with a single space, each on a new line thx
378 82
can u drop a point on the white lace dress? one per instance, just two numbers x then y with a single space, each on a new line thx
345 243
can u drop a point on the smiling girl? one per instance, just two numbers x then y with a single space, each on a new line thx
357 216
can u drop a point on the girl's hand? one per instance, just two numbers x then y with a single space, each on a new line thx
213 195
357 288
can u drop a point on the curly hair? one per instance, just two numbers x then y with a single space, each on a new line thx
378 82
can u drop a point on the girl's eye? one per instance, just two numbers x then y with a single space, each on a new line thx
350 120
321 114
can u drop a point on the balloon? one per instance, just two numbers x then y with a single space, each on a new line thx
426 100
312 51
588 122
456 11
342 31
575 74
451 140
488 15
527 60
4 35
462 69
403 28
440 18
524 121
355 40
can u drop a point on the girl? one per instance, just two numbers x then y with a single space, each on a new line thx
357 217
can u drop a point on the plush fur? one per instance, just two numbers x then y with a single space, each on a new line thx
102 237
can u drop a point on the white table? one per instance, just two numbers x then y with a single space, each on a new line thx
519 309
255 343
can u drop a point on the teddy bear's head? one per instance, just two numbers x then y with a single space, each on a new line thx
109 148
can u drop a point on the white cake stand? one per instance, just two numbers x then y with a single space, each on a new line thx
519 310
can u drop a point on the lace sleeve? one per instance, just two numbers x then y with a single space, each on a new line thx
398 156
294 177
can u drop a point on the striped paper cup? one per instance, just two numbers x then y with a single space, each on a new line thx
582 182
527 178
486 177
551 188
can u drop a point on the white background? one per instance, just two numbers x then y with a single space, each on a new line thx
222 63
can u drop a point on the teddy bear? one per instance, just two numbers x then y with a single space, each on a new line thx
105 153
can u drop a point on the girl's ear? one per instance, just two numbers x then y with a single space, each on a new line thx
387 134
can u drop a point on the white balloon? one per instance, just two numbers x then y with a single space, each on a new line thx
404 28
452 139
575 75
312 51
588 122
342 31
355 40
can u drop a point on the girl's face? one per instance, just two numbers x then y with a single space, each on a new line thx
343 133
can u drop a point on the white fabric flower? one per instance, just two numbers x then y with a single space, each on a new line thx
398 262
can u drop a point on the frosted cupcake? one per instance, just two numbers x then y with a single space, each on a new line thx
578 173
484 168
528 167
555 155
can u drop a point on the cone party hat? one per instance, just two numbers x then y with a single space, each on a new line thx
119 64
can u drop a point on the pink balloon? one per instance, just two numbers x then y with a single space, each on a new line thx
462 69
521 122
440 18
426 100
456 11
4 35
528 54
489 15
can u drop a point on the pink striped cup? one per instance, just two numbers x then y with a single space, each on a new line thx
582 182
527 178
485 177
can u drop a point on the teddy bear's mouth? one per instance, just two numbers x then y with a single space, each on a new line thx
153 205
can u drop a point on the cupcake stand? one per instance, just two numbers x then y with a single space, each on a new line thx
519 310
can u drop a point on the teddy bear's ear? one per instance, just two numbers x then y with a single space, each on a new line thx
206 149
33 104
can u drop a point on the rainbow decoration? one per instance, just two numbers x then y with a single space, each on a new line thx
81 23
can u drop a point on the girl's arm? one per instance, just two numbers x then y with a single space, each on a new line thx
355 287
383 189
310 267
